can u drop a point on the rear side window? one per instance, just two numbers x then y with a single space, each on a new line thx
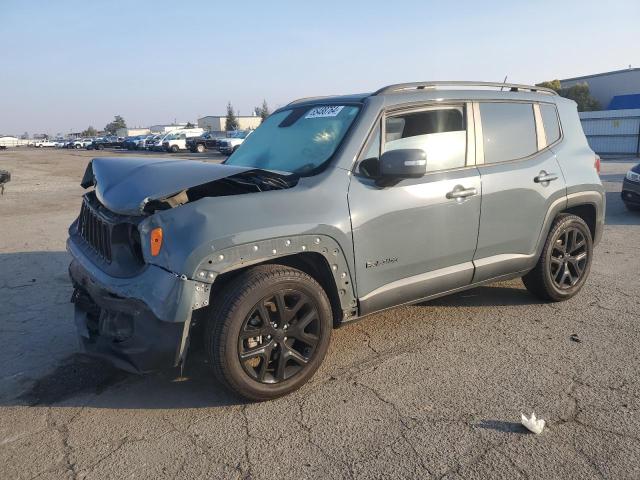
550 122
508 130
440 132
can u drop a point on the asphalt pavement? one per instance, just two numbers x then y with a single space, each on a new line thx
433 390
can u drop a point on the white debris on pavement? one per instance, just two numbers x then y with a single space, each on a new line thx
533 424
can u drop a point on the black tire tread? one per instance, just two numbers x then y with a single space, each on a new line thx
227 301
536 281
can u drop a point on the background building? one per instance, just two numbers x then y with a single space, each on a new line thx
605 86
132 132
164 128
216 123
9 141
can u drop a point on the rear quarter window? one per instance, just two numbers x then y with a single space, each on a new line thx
550 122
508 131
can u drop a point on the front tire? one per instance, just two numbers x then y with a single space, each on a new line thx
268 332
200 148
174 149
565 261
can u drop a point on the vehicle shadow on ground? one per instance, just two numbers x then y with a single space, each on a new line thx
617 213
85 381
37 333
501 294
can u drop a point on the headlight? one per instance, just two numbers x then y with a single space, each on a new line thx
633 176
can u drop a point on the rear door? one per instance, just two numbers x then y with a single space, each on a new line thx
521 180
416 237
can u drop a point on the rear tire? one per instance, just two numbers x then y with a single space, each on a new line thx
565 261
279 319
174 149
200 148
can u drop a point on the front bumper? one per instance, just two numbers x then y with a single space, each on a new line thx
139 324
630 192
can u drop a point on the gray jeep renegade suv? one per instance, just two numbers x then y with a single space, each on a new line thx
335 208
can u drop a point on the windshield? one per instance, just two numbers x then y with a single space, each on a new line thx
296 140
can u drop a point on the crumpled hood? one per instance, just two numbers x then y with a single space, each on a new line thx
126 184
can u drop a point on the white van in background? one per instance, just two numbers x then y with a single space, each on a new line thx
177 140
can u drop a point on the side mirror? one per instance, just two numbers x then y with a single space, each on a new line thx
403 163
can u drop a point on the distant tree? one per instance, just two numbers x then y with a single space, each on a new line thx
112 127
89 132
579 93
231 122
263 111
189 125
553 85
24 136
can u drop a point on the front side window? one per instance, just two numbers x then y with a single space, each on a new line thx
298 139
440 132
550 122
508 130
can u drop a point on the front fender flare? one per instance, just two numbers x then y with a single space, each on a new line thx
240 256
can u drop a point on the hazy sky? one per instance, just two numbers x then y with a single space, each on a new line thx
65 65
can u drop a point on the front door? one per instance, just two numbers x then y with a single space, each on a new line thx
417 237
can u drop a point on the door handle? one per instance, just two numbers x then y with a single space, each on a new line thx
460 193
545 177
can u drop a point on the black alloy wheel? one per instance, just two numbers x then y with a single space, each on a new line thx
279 336
569 258
565 261
268 331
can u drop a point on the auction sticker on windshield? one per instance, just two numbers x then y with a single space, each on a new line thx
325 111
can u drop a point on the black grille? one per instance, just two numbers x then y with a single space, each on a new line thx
94 231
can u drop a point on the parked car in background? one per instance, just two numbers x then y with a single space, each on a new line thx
61 143
141 144
80 143
178 140
631 188
206 141
233 141
131 143
156 146
44 143
5 176
152 140
106 142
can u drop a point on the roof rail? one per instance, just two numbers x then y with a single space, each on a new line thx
514 87
306 99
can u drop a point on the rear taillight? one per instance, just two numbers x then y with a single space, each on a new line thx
596 164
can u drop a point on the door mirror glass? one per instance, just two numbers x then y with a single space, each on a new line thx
403 163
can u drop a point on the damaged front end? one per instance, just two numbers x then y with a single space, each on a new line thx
129 307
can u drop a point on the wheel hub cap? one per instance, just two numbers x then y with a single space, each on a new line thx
568 258
279 336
